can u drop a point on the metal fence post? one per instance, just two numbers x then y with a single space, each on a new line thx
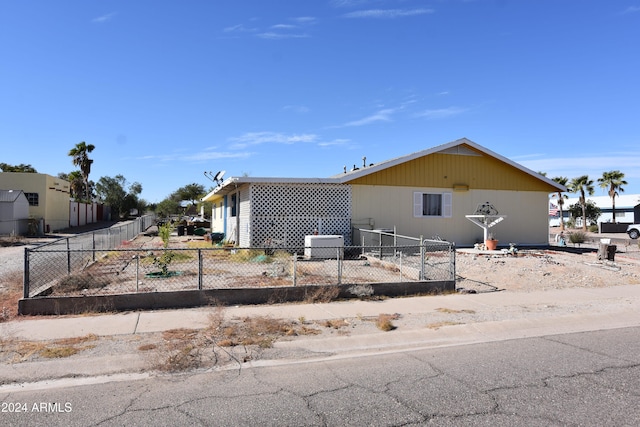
93 246
452 260
422 258
295 268
137 271
199 269
395 237
68 257
25 276
339 267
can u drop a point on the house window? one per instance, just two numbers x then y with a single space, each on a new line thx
32 198
432 205
234 204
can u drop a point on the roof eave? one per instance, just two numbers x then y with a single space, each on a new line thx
230 184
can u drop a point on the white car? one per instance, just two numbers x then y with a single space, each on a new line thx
633 231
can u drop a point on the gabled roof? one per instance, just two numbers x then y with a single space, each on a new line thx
10 196
459 146
453 147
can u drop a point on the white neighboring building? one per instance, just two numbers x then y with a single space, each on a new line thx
14 212
625 204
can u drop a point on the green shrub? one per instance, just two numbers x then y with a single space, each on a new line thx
165 233
577 237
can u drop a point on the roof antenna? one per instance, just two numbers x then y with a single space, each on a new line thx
364 161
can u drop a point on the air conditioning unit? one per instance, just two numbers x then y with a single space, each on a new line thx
324 246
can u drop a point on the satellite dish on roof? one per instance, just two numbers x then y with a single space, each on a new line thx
221 174
215 177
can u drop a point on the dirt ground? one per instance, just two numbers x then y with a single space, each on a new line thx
544 270
531 270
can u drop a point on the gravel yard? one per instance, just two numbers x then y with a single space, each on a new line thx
531 270
551 268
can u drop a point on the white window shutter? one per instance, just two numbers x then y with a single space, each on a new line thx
417 204
447 205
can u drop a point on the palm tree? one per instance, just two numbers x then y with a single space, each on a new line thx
614 181
584 186
562 180
79 153
76 180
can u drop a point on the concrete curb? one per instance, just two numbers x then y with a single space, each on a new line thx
573 310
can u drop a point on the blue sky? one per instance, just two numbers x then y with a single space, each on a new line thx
167 90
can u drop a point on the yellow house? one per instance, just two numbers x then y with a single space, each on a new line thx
48 197
427 193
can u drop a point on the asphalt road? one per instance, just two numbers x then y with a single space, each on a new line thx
586 379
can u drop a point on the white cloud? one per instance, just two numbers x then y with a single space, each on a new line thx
278 36
256 138
104 18
347 3
197 157
387 13
306 20
379 116
239 29
632 9
335 142
593 166
215 155
283 27
442 113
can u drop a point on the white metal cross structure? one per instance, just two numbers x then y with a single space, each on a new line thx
485 217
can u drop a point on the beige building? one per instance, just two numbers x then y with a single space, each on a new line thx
48 197
427 193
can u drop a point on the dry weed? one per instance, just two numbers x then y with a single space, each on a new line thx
181 350
78 282
335 323
185 349
12 240
438 325
147 347
10 294
384 322
76 340
453 311
24 350
322 294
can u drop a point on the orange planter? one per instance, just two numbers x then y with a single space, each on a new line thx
491 244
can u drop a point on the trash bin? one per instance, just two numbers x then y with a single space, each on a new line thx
606 251
181 230
191 230
217 237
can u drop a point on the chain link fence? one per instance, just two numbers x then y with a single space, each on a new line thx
68 255
65 269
